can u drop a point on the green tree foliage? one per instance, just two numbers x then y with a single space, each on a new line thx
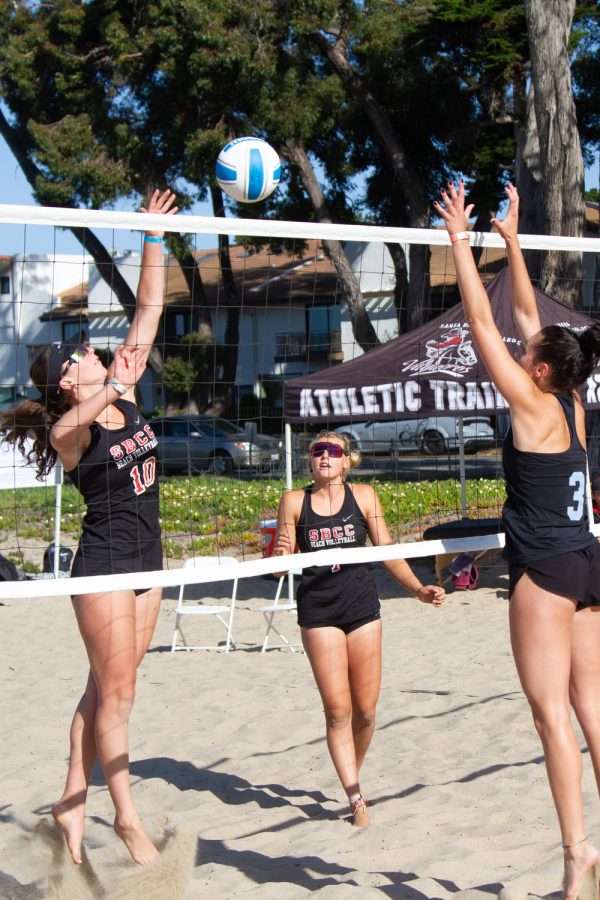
385 100
188 373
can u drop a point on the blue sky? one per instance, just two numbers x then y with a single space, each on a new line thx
45 239
42 239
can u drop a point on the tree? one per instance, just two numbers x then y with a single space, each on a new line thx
364 332
187 376
373 105
57 78
551 149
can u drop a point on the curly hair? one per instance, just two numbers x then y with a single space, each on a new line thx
33 419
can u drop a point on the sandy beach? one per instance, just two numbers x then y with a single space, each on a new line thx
231 773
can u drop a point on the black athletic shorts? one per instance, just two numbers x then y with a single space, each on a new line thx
149 559
575 575
347 627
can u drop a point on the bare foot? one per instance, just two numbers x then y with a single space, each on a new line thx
137 841
360 816
70 818
581 877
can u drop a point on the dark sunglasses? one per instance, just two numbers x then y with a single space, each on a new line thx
80 352
333 450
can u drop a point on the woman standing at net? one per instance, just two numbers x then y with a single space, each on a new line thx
338 606
554 560
87 417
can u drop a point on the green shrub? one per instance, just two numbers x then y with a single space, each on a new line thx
203 514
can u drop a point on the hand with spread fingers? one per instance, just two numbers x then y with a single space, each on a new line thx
130 364
160 204
452 208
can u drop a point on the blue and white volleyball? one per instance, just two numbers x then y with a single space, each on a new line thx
248 169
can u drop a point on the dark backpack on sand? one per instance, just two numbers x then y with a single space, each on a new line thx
8 570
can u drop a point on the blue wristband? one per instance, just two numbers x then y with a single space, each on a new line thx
152 239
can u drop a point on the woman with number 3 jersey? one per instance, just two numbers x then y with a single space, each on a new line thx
554 560
87 417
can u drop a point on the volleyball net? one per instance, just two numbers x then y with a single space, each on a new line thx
280 330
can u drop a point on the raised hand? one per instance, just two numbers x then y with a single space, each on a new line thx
452 208
509 225
130 364
161 204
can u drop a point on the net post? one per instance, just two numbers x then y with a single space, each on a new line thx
288 456
288 484
462 468
58 480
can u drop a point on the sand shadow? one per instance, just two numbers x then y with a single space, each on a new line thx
12 889
230 789
309 872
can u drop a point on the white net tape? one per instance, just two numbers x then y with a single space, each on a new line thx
28 215
249 569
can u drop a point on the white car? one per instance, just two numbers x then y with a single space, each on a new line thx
431 435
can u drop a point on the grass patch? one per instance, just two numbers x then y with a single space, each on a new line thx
205 514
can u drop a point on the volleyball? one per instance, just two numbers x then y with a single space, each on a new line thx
248 169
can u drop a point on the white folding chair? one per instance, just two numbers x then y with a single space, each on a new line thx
273 609
223 612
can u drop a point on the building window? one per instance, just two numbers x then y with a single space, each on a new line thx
178 323
4 284
75 331
322 322
184 323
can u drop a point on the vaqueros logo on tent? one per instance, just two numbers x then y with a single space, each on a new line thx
450 354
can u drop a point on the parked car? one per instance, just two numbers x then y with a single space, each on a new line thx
192 443
431 435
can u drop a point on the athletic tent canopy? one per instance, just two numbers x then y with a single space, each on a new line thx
434 370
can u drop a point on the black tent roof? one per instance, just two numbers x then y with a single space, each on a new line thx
433 370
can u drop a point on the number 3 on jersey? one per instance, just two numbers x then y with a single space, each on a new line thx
142 482
577 481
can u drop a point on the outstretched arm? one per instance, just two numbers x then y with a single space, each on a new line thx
71 435
510 379
380 535
524 305
150 292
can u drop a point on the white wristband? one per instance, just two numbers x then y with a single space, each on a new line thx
119 388
459 236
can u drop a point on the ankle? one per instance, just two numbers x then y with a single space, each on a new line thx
128 822
572 845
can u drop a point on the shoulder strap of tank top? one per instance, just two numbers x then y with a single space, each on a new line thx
129 410
351 497
306 505
568 407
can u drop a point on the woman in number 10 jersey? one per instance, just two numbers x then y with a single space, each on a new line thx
554 559
87 417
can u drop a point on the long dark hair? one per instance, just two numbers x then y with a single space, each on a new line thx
572 357
34 419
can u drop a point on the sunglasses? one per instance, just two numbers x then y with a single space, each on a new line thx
80 352
333 450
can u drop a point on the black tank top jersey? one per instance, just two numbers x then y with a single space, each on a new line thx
338 594
117 477
545 512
